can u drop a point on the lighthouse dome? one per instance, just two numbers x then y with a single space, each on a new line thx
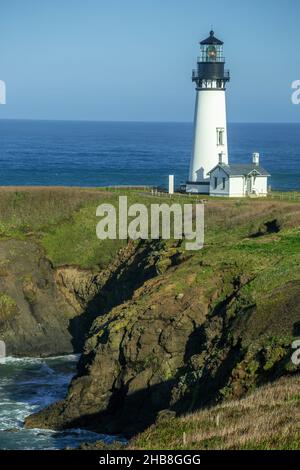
211 40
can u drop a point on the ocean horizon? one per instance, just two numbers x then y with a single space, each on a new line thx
110 153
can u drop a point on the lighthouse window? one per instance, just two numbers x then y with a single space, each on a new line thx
220 136
223 183
215 183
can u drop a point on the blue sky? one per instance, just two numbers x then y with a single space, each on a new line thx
132 59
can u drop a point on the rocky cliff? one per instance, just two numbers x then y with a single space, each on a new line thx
35 318
48 311
193 329
162 330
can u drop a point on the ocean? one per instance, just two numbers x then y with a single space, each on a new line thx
27 385
82 153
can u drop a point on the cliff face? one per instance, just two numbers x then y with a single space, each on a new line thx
48 311
35 318
160 328
194 330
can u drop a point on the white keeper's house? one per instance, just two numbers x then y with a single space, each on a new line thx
239 180
210 170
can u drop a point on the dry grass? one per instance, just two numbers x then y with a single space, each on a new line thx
269 418
37 207
270 411
231 214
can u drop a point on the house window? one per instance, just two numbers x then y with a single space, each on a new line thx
220 136
223 183
215 182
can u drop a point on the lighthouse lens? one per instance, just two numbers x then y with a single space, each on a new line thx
211 53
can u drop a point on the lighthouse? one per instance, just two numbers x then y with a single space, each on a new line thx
210 127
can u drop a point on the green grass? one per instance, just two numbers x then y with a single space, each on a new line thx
64 221
75 242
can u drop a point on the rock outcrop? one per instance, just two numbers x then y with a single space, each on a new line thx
177 343
162 330
48 311
35 318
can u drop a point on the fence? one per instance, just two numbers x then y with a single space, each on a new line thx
285 196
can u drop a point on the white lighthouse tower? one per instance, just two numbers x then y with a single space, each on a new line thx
210 129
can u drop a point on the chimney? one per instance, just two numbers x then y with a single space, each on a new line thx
221 158
255 158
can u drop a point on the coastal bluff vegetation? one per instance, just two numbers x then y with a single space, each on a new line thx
172 343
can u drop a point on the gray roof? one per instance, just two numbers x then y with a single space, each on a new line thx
241 169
